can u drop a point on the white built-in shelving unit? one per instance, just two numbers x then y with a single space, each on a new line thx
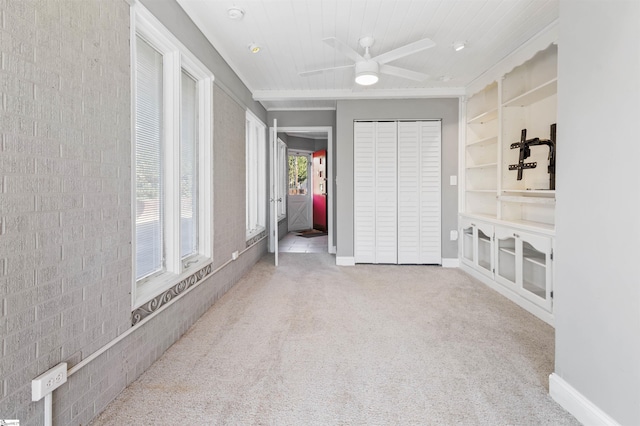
507 226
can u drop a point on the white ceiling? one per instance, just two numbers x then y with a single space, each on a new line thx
290 33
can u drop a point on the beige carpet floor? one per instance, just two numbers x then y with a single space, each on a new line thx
311 343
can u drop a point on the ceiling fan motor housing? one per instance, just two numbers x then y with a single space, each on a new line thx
367 72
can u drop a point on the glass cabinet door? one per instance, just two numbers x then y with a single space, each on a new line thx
536 269
467 243
477 246
485 249
523 262
505 257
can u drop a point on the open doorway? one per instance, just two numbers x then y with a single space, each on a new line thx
310 196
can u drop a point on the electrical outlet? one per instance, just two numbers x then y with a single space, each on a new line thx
453 235
49 381
234 255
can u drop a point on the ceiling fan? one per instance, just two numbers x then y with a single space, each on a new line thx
368 68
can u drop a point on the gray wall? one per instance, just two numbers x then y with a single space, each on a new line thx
306 144
65 164
597 287
321 144
348 111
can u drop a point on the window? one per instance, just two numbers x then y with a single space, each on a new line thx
298 168
172 146
188 167
148 166
256 175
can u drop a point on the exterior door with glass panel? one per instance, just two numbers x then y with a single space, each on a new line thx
299 197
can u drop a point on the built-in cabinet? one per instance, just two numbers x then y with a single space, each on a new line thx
507 221
523 263
397 191
477 245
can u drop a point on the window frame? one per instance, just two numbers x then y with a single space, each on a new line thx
176 58
256 167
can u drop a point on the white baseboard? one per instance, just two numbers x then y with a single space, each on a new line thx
585 411
350 261
345 261
450 263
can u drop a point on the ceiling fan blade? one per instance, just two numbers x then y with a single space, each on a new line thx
405 50
402 72
321 70
343 48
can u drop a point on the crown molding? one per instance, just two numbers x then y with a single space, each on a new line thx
275 109
289 95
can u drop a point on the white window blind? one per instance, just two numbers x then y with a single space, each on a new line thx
188 166
148 163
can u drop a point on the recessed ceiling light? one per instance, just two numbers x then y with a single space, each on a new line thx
235 13
254 48
459 45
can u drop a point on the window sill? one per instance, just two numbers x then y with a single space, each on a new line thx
255 232
257 236
150 289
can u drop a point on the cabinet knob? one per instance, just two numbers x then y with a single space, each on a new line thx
473 224
516 235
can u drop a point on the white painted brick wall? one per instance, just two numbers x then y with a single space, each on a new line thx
65 219
64 167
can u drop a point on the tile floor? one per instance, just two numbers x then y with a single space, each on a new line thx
293 243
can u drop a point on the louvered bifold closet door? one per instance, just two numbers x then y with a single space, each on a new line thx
375 192
386 192
364 200
397 207
409 192
419 204
430 192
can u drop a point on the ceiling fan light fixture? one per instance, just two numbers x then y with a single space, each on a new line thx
367 73
366 79
459 45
